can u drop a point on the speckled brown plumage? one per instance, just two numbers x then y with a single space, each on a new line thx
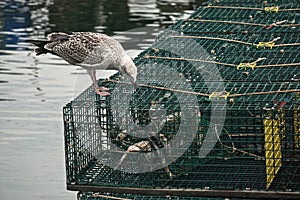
85 48
91 51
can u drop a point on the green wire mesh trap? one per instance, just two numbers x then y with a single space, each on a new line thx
186 131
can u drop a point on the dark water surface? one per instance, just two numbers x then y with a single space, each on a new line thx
33 89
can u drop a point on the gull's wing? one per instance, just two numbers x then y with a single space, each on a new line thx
100 57
85 48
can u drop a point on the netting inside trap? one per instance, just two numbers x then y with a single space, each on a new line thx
217 108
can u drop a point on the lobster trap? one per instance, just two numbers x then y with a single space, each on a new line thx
216 112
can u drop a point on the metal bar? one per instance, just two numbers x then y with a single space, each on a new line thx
189 192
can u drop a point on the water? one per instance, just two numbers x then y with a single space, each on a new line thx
33 89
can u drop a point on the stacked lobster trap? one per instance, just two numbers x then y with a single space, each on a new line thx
215 114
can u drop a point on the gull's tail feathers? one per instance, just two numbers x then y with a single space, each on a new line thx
45 46
41 46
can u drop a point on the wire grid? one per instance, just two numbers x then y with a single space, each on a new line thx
248 11
238 159
253 4
245 81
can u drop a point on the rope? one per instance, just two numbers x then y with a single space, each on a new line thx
251 65
243 23
223 94
204 94
160 88
190 59
221 63
237 8
267 9
214 38
242 151
271 9
263 44
225 22
284 45
262 93
278 65
233 148
269 44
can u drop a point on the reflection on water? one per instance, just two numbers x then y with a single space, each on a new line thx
33 89
114 15
74 15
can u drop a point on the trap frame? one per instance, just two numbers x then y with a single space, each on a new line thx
106 196
255 48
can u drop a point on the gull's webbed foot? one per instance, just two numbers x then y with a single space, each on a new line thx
102 91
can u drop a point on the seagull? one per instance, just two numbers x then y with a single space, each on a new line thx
91 51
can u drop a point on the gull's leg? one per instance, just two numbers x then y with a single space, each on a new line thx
99 90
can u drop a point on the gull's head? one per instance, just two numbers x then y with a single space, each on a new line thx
129 69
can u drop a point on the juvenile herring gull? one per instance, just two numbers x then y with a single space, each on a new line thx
91 51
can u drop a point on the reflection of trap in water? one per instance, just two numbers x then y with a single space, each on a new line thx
255 154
